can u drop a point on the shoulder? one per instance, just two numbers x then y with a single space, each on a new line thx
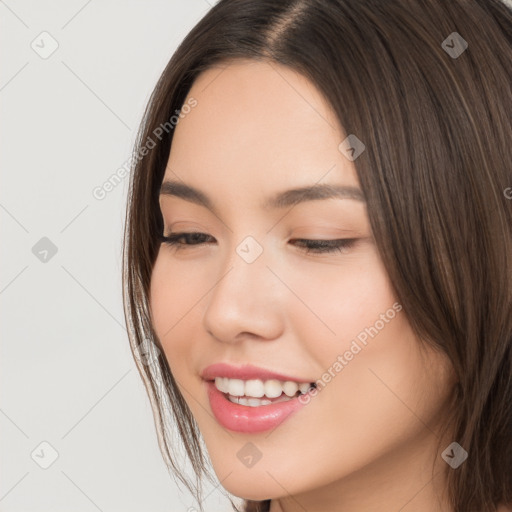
504 508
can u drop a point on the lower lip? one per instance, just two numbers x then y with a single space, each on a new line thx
242 418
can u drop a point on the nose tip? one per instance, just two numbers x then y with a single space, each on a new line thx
244 302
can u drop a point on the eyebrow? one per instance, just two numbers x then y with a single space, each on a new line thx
280 200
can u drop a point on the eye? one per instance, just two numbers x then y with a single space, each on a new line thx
325 246
180 241
176 239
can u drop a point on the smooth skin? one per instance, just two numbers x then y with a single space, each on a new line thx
367 441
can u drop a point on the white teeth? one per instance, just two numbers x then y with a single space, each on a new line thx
304 387
222 384
290 388
273 388
254 402
256 388
236 387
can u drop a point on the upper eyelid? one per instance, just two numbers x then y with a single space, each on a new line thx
326 237
184 234
173 238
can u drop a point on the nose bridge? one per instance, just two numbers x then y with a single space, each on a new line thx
244 299
248 261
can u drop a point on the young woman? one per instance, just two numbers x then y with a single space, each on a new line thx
319 248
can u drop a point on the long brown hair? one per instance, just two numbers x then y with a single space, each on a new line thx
427 86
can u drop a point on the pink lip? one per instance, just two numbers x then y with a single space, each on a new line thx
241 418
244 372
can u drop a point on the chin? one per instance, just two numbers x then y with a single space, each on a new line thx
251 484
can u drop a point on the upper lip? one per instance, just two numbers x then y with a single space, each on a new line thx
245 372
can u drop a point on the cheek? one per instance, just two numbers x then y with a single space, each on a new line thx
375 385
339 302
174 297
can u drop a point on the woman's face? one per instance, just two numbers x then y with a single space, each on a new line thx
244 291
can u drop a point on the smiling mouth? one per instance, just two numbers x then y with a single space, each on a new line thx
257 392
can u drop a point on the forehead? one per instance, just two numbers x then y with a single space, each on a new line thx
260 125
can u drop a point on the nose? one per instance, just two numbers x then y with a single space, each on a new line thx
247 301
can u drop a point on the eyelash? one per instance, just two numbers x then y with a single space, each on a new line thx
314 246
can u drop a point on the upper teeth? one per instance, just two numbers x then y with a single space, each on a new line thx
258 388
